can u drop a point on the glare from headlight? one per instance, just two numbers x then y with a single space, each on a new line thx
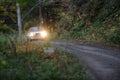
43 34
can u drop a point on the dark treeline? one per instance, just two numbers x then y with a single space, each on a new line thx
92 20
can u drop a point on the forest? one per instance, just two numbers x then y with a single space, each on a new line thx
66 22
87 20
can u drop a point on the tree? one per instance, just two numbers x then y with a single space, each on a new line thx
19 18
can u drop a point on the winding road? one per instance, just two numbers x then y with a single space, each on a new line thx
100 63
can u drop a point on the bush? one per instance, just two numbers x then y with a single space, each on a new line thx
95 33
38 66
115 37
4 45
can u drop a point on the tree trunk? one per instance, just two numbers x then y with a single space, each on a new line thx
19 18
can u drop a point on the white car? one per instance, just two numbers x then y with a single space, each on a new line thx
34 33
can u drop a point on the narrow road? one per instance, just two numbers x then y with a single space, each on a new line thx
99 63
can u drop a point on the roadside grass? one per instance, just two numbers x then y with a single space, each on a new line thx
29 62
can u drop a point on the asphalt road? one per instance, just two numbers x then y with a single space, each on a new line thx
100 63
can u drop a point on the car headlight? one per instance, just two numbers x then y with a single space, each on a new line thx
30 34
43 34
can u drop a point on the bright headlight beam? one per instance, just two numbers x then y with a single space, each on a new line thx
43 34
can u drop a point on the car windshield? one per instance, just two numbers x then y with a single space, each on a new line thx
34 29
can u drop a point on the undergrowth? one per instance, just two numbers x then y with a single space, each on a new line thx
104 33
31 63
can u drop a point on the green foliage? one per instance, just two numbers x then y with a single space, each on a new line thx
3 43
47 44
47 2
32 64
8 12
41 67
78 25
98 32
91 20
115 37
96 20
7 29
26 3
